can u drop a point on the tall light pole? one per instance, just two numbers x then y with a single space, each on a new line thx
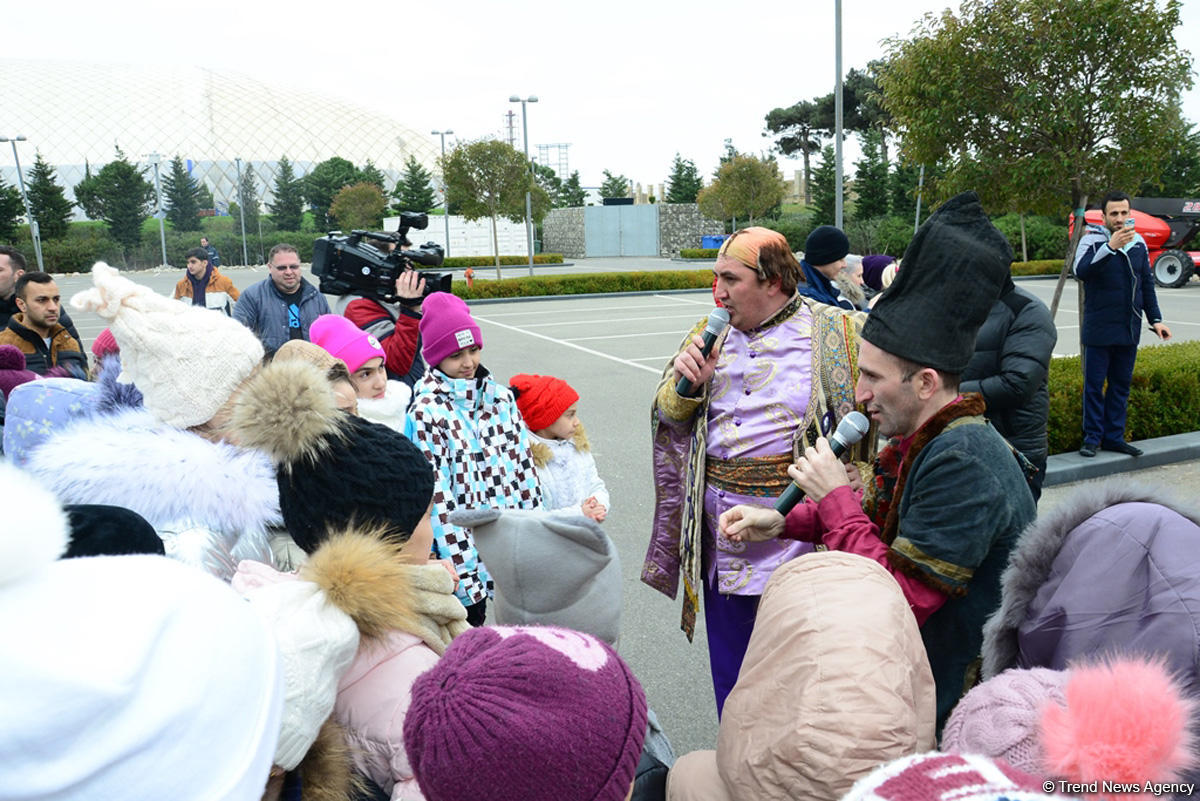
837 113
528 196
445 200
33 226
160 214
242 211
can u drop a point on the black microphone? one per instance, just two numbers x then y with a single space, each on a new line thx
718 318
849 431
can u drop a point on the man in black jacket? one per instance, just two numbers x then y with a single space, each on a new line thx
1009 369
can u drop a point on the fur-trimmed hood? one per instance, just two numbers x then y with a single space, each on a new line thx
542 449
1115 567
364 575
212 503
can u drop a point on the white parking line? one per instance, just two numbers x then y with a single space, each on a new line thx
685 300
567 344
624 336
617 320
574 310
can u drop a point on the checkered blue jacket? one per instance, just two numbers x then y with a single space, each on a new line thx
472 434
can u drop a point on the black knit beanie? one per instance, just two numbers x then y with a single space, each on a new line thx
100 530
334 470
825 245
953 271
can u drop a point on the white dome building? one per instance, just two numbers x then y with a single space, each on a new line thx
74 114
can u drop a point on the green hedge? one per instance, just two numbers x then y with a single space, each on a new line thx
587 283
490 261
1164 398
1040 267
698 253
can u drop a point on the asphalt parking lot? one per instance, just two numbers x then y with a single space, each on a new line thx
612 349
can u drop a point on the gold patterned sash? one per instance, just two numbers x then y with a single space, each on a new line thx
755 476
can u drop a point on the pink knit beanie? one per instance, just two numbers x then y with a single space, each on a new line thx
105 344
446 326
345 340
1002 717
526 712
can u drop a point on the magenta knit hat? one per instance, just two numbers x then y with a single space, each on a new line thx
105 344
344 340
446 326
12 369
1002 717
526 712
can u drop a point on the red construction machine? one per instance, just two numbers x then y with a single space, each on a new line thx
1169 225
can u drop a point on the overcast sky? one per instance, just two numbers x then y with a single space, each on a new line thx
628 83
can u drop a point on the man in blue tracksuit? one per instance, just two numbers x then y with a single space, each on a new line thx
1114 264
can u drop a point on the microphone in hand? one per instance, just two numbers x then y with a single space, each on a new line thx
717 320
852 428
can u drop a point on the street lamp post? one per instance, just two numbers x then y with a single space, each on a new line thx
445 201
162 230
528 196
33 225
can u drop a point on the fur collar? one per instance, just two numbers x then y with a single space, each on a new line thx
327 771
971 404
365 576
1033 557
543 449
165 474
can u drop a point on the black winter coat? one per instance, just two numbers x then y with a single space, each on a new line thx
1009 368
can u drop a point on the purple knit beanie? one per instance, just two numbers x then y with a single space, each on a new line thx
12 369
536 713
873 267
1002 717
446 326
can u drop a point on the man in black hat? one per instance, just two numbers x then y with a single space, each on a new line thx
949 496
825 253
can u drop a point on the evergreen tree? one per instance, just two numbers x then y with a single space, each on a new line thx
824 189
414 191
325 181
85 194
120 196
871 178
288 208
903 189
685 182
614 185
572 193
548 180
183 197
11 210
48 201
247 199
371 174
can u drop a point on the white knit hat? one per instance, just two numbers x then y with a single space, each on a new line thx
317 643
186 360
125 676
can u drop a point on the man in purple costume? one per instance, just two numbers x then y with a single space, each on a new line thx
782 375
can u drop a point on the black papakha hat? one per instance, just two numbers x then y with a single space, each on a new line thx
953 272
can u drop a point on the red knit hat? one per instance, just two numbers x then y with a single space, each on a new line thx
104 344
541 398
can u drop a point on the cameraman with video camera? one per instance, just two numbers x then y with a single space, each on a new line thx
381 291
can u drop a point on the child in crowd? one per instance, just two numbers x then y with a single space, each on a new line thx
379 400
469 429
565 466
528 712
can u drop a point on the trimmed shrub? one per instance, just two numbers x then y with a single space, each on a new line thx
587 283
1164 397
1044 239
698 253
490 261
1042 267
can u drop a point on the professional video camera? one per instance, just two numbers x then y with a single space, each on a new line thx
348 265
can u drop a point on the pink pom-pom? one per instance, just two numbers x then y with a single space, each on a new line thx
11 358
1125 720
